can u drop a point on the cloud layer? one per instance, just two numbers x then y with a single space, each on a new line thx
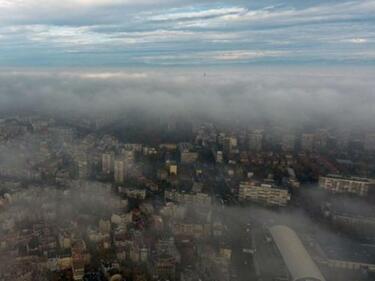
185 32
293 97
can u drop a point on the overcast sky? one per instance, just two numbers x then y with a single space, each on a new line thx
186 32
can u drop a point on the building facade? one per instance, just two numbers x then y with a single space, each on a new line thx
340 184
263 193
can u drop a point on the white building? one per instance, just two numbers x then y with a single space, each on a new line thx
341 184
263 193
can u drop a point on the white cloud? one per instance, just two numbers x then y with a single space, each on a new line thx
271 15
358 40
212 57
82 36
185 29
66 3
245 55
109 75
191 15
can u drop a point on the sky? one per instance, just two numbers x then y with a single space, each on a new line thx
121 33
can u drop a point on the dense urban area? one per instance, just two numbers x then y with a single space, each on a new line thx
184 200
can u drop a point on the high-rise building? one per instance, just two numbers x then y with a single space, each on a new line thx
255 139
129 155
219 157
288 142
230 144
307 142
119 171
369 144
107 163
83 169
321 139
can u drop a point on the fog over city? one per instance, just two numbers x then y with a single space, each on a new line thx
185 140
292 97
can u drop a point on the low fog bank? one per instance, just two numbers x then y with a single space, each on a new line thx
80 209
293 97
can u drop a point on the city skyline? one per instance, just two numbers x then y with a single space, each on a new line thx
186 140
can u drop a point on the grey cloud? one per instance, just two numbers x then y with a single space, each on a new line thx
293 97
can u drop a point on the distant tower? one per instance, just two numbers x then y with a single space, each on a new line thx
107 163
256 140
307 142
83 169
369 143
119 171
